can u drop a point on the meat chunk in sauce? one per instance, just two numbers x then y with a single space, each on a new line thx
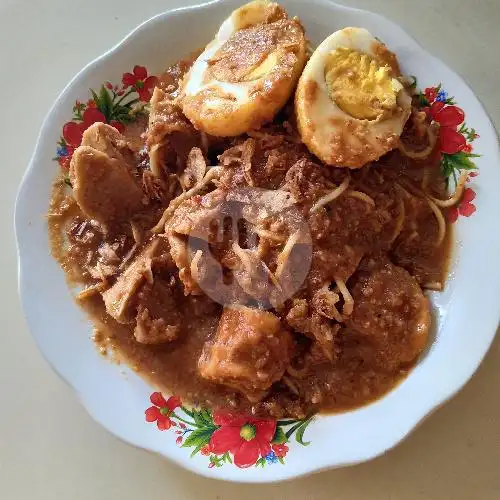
315 326
109 141
348 328
391 311
103 184
158 318
118 299
170 136
250 351
198 216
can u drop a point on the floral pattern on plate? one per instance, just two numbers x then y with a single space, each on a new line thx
117 105
222 436
455 144
226 437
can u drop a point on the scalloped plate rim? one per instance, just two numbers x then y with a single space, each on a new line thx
226 474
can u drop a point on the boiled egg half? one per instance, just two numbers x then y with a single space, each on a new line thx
247 73
350 105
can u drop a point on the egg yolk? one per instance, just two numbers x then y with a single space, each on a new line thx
359 85
264 68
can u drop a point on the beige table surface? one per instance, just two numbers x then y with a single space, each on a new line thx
50 448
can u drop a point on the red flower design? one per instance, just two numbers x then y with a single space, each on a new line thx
141 82
91 103
245 437
465 208
436 107
64 162
430 94
467 148
205 450
447 116
280 450
118 125
161 411
73 131
178 441
451 141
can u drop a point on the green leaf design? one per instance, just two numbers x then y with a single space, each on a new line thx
286 422
95 97
279 436
203 418
187 411
452 165
227 458
260 462
290 431
105 103
299 437
218 462
207 416
198 438
282 462
122 114
460 161
422 101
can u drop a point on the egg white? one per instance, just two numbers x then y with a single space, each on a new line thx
231 108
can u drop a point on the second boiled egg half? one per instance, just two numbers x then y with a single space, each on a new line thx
350 105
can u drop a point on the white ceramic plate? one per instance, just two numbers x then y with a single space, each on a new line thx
467 313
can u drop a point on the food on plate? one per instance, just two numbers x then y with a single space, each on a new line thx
250 350
351 107
223 254
247 72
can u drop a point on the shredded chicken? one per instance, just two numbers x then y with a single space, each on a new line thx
118 298
165 121
196 168
212 174
325 302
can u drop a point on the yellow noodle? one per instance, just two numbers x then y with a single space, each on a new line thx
266 234
291 384
298 373
361 196
433 285
424 153
153 158
90 290
440 220
213 173
425 178
285 253
348 300
194 266
324 200
136 233
455 197
400 220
